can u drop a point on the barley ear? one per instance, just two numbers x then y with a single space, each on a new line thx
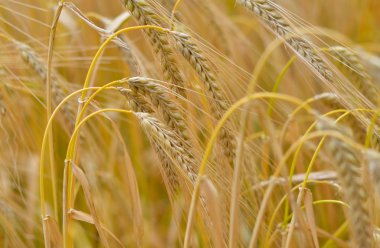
348 167
145 15
168 148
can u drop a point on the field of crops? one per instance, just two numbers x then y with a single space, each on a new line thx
189 123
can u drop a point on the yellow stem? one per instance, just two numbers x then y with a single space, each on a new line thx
44 146
211 143
49 107
175 7
89 75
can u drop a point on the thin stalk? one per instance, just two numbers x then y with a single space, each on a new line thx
70 184
44 147
68 169
175 7
49 107
337 233
211 143
234 207
277 210
277 83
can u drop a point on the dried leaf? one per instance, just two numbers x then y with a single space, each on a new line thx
308 202
79 174
52 231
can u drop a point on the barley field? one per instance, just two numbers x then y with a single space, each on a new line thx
189 123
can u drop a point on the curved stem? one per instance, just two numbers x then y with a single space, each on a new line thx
89 75
175 7
240 143
211 143
44 147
